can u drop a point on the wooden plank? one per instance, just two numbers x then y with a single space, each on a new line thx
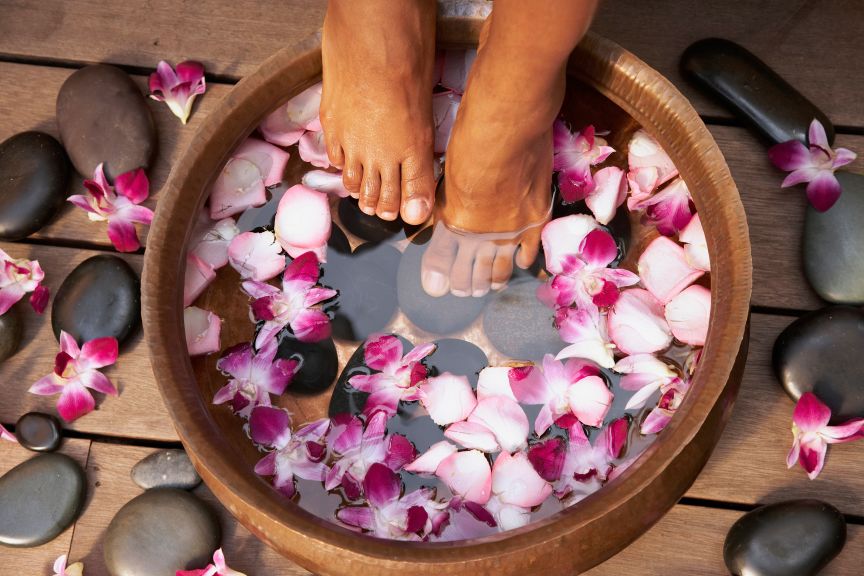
138 411
40 559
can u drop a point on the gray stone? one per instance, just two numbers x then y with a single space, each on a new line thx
34 172
833 242
11 331
166 469
793 538
457 357
39 432
39 499
519 325
103 117
318 363
159 532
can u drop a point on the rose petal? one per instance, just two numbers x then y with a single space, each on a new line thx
270 160
664 270
303 221
514 481
505 419
323 181
468 475
429 461
561 235
256 255
688 314
589 400
610 190
637 324
313 149
447 398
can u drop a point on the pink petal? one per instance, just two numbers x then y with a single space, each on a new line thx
670 209
134 185
472 435
256 255
505 419
39 299
98 353
418 353
123 236
614 437
68 344
384 399
583 329
239 186
202 329
313 149
444 108
382 351
816 135
190 71
823 191
46 386
197 277
467 474
590 400
381 485
9 296
6 435
637 324
664 270
598 248
529 384
515 481
97 381
845 432
688 314
789 156
359 516
642 183
695 245
323 181
645 152
75 401
842 157
214 239
547 457
400 451
447 398
303 221
429 461
288 122
609 193
810 414
270 160
812 457
563 236
655 422
494 381
269 426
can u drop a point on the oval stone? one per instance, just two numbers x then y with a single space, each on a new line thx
159 532
100 297
458 357
39 499
39 432
34 172
371 228
318 363
793 538
519 325
11 331
103 117
821 353
166 469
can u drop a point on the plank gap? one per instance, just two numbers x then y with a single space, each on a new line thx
778 311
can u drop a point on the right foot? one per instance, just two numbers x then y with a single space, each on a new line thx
376 106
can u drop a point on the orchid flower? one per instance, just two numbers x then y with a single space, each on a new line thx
256 255
445 105
253 167
7 435
688 314
447 398
636 323
178 89
664 269
811 433
645 374
300 454
323 181
670 209
586 333
695 245
292 305
572 387
18 278
118 205
585 468
610 191
202 329
359 449
313 149
516 489
648 168
585 278
575 153
413 516
671 396
253 376
61 569
217 568
303 222
289 122
397 376
814 164
75 370
562 237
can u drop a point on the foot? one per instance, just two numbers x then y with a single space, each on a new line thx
498 176
376 106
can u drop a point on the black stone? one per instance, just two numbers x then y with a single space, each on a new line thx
338 241
34 172
752 90
39 432
11 331
39 499
159 532
166 469
458 357
793 538
366 281
822 353
519 325
832 244
103 117
100 297
371 228
443 315
318 363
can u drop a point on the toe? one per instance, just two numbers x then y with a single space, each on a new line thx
370 190
438 261
334 151
388 202
502 266
417 189
463 269
352 176
481 276
529 247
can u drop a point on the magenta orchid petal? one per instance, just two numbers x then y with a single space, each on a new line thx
823 191
789 156
590 400
644 373
350 437
400 451
609 193
382 352
256 255
447 398
614 437
472 435
178 90
381 485
561 236
75 401
598 248
290 121
429 461
97 381
19 277
842 157
270 160
695 245
670 209
468 475
46 386
39 299
303 222
637 324
547 457
816 135
323 181
313 149
202 329
97 353
358 516
688 314
664 270
134 185
515 482
270 426
574 154
811 414
253 377
123 236
505 418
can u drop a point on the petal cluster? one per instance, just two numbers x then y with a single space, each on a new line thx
178 87
19 277
811 434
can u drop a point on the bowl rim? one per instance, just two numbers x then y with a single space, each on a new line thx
614 72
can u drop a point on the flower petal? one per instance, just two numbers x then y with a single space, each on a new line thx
789 156
589 400
514 481
609 193
563 236
494 381
256 255
637 324
269 426
202 329
468 475
688 314
303 221
98 353
810 414
429 461
381 485
287 123
505 419
323 181
75 401
664 270
239 186
270 160
447 398
823 191
547 457
313 150
472 435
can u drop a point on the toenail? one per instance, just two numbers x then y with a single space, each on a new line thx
498 285
388 215
416 209
459 293
368 210
480 292
434 282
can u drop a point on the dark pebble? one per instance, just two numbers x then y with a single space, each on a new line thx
39 499
159 532
103 117
34 172
166 469
821 353
100 297
318 363
519 325
457 357
39 432
371 228
793 538
11 331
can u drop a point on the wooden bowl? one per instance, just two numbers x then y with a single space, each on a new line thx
609 81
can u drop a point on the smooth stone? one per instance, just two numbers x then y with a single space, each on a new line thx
366 281
39 499
39 432
519 325
159 532
318 363
821 353
832 245
458 357
103 117
443 315
11 331
34 172
338 241
371 228
792 538
166 469
100 297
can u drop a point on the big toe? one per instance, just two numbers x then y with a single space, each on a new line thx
418 189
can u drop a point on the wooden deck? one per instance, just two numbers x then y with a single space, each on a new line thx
814 44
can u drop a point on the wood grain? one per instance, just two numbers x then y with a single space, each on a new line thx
40 559
138 412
